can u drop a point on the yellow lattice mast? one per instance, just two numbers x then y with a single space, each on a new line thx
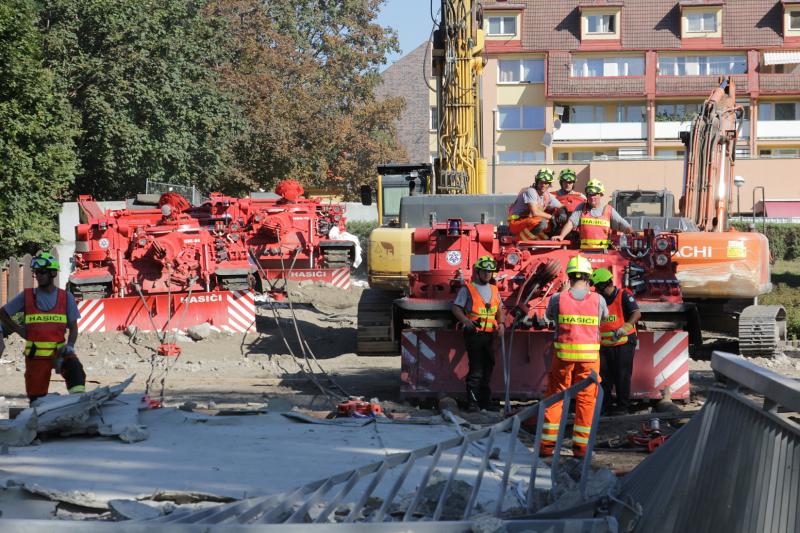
458 64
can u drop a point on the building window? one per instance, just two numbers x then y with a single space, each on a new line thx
630 113
601 24
520 118
705 22
669 153
520 71
583 114
589 67
779 153
519 158
682 112
503 25
701 65
587 155
778 111
434 118
794 20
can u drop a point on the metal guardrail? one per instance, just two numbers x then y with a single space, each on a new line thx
735 467
292 507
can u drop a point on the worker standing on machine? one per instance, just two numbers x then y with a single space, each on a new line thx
617 340
48 313
577 313
532 213
594 220
478 308
567 196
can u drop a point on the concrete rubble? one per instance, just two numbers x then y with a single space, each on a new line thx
102 411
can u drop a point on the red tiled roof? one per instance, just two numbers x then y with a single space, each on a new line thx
647 24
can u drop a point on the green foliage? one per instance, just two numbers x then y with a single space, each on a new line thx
37 161
142 76
786 292
784 239
305 72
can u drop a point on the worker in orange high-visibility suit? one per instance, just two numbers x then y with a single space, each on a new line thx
594 220
48 313
577 313
479 310
531 215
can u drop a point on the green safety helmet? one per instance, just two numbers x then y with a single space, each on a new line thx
486 262
595 187
579 265
601 275
44 261
545 174
567 175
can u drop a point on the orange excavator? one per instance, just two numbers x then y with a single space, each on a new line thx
721 270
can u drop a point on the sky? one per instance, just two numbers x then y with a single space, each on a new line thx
412 21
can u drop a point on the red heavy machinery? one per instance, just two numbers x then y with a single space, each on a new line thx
179 265
434 360
661 265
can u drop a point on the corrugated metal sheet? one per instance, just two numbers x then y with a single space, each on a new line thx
735 468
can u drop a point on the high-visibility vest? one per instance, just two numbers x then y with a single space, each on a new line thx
484 314
570 200
578 339
614 321
594 231
44 330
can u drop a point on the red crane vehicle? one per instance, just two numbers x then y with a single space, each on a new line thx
434 359
654 264
178 265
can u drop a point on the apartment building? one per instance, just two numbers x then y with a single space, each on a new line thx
598 80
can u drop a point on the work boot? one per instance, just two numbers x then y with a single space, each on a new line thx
579 452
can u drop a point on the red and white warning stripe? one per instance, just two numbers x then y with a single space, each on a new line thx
341 278
419 345
241 308
92 318
671 362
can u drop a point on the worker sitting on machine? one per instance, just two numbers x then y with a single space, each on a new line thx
531 215
478 308
594 220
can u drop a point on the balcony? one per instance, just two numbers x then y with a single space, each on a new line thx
672 130
601 131
779 129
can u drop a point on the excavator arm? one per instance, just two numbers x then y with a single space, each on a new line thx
710 158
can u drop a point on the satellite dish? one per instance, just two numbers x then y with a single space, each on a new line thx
547 139
557 124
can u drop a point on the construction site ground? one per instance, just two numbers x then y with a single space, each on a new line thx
256 370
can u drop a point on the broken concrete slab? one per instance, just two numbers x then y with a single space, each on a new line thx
199 332
262 455
70 415
132 510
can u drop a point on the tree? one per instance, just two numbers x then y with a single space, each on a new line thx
37 161
305 72
142 76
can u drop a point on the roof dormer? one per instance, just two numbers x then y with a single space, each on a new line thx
600 20
701 19
791 20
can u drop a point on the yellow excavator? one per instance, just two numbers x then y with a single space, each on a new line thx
414 195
